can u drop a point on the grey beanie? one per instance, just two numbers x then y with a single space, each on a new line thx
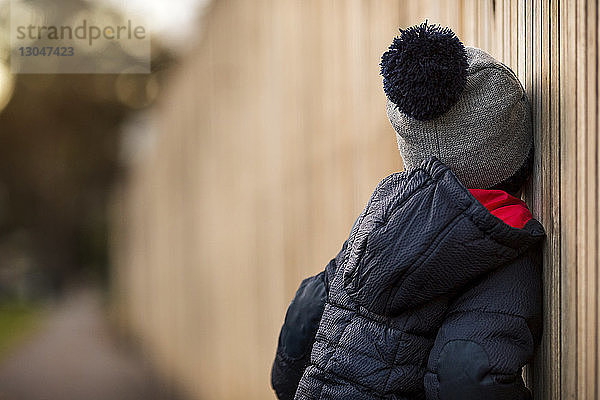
458 104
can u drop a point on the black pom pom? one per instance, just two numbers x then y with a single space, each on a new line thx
424 70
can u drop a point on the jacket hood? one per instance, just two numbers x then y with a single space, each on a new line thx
423 235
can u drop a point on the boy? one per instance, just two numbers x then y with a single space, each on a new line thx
436 294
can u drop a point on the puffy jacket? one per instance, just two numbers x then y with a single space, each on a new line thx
431 297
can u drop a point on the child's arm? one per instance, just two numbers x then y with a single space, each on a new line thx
489 334
299 330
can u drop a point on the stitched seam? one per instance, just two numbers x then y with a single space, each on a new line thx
336 344
386 323
373 392
366 354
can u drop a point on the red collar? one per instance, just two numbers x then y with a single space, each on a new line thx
511 210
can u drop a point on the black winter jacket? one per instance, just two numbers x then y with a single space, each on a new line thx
431 297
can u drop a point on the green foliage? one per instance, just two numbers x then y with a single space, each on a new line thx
17 319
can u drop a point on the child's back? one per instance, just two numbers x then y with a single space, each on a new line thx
437 292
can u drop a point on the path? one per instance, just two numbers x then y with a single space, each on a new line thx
74 357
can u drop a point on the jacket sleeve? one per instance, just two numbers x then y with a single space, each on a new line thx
488 335
299 329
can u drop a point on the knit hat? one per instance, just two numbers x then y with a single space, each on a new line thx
458 104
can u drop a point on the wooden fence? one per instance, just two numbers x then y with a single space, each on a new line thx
270 139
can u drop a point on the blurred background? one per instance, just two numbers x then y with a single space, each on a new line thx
154 227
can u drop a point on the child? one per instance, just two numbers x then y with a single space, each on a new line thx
436 294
